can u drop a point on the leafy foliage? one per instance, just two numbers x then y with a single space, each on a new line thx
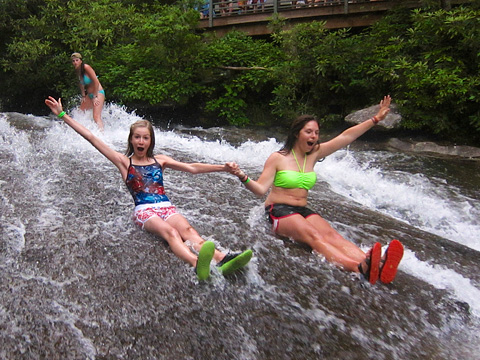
321 71
148 52
241 68
432 66
37 58
158 64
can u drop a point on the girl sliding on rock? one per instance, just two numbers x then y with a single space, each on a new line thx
289 174
142 172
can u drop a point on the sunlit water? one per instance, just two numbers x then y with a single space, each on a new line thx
80 281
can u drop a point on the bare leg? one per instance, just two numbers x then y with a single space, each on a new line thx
322 238
159 227
87 104
335 239
97 111
187 232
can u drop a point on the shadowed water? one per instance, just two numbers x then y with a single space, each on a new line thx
80 281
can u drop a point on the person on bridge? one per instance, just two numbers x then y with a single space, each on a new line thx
142 172
224 4
289 174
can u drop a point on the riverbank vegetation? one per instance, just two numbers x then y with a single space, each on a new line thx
150 55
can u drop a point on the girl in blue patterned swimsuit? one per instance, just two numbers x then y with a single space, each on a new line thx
142 172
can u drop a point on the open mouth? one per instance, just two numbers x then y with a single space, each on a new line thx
310 143
140 148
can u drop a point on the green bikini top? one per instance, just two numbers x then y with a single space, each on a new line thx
290 179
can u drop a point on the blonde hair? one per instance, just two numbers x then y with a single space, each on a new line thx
137 124
76 55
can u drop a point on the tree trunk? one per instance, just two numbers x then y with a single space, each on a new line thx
446 4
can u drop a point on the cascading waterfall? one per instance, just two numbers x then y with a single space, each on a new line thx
80 281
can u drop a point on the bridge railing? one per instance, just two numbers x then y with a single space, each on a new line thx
219 8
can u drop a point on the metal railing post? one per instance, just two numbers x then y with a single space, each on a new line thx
210 13
275 6
345 6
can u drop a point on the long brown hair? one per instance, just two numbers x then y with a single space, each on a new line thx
137 124
295 128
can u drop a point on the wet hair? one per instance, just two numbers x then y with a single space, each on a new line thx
295 128
138 124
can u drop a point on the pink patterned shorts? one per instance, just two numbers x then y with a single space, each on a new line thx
143 213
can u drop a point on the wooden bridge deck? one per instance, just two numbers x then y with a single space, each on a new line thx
336 13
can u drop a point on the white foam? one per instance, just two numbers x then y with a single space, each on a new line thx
413 198
442 278
15 235
404 196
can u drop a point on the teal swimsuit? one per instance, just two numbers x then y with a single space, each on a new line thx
87 81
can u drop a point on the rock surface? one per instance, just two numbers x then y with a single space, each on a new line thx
469 152
392 121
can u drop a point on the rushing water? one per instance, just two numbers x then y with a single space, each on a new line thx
80 281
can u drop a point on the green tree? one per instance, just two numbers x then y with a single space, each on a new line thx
433 66
323 72
237 74
36 58
160 64
427 59
151 53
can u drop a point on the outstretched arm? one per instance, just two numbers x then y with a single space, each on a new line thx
193 168
352 133
120 160
264 182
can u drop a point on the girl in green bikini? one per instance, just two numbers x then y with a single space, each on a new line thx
289 174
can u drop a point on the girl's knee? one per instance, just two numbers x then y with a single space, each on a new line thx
168 234
324 237
190 232
312 238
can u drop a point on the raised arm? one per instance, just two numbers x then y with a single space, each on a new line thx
354 132
120 160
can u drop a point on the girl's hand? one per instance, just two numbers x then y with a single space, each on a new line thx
231 167
234 169
384 108
54 105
